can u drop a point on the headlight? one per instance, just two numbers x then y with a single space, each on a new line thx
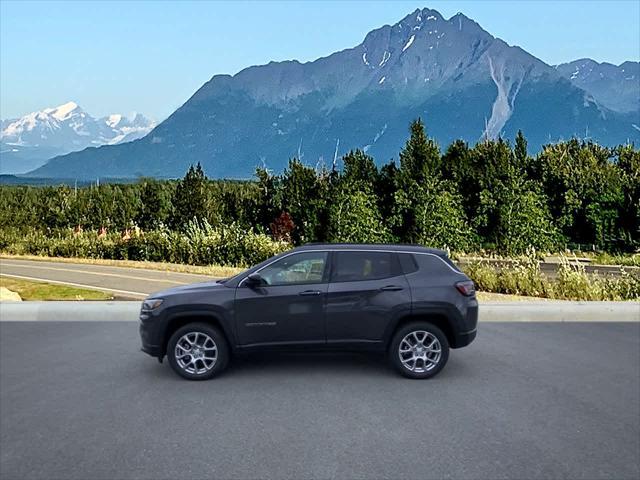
151 303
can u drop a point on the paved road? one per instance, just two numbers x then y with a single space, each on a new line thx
132 283
127 283
78 400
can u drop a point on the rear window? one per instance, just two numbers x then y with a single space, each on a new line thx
408 263
358 266
435 264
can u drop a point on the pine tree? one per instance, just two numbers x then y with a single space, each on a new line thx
301 198
419 161
420 157
190 198
154 206
520 150
360 172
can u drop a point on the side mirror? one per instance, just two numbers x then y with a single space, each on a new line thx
254 279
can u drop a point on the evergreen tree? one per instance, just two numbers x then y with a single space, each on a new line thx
190 198
268 205
420 157
419 161
301 198
154 205
520 150
360 172
386 188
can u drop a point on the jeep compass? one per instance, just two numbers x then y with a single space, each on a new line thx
409 302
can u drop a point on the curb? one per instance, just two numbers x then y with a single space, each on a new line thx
548 311
560 311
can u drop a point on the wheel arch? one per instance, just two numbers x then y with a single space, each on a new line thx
179 320
438 318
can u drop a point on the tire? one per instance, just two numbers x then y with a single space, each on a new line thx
409 338
211 351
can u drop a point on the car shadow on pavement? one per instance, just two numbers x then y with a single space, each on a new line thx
300 365
303 363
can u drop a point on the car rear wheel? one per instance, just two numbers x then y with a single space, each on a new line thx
197 351
419 350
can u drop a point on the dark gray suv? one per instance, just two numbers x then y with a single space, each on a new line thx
408 301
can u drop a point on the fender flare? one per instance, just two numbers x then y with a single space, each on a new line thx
441 309
184 312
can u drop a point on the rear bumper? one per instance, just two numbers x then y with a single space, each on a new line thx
464 339
468 333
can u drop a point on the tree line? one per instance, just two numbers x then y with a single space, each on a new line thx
493 196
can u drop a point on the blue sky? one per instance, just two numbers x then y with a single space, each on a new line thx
150 56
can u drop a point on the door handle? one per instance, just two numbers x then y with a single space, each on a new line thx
391 288
310 292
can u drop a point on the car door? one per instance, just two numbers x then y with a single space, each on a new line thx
367 290
288 306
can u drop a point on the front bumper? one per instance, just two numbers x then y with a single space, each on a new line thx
149 344
151 329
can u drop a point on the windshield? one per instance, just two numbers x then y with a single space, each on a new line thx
233 281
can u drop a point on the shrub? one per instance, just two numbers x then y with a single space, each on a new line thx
200 244
571 282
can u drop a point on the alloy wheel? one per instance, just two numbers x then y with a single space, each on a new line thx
196 353
420 351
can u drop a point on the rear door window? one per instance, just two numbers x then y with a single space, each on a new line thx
359 266
408 263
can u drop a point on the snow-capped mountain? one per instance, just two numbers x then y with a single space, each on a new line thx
27 142
461 80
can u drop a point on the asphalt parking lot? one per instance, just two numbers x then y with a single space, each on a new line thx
78 400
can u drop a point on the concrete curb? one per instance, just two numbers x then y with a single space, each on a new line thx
547 311
69 311
560 311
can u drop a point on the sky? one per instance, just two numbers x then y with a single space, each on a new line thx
151 56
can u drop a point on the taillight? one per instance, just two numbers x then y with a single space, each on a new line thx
466 288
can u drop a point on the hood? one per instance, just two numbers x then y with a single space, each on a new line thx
191 288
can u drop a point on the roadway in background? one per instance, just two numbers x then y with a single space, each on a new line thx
124 283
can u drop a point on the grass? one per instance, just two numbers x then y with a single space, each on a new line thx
629 260
30 290
505 297
210 270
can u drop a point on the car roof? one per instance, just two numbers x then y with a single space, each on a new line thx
396 247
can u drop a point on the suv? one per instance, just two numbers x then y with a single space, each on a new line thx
408 301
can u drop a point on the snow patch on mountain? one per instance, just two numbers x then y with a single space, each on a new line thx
503 105
385 58
408 44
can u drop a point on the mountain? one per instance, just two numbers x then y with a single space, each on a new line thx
615 87
461 80
27 142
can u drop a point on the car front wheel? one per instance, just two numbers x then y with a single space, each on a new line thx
197 351
419 350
